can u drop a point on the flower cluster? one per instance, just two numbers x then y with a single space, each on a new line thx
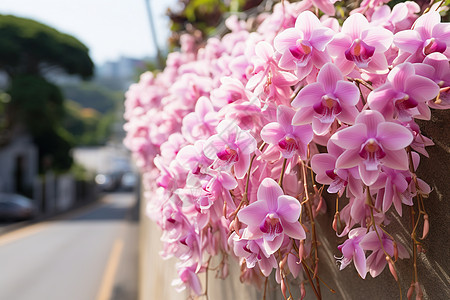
228 135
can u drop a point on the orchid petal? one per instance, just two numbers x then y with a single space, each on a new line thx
269 191
328 76
294 230
408 40
393 136
354 25
347 93
306 22
288 208
286 39
397 159
272 133
371 118
272 246
309 95
253 215
348 159
351 137
400 74
421 89
303 116
368 176
359 259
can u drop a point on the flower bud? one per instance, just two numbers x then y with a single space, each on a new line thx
302 291
301 250
419 294
410 291
392 268
426 226
283 287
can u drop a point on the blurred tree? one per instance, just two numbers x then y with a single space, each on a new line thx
88 126
93 95
28 51
29 47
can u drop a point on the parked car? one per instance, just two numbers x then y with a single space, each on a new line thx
108 182
129 181
14 207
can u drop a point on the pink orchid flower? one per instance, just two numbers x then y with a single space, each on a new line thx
392 185
192 158
435 67
200 123
404 95
401 17
330 98
304 46
429 35
324 166
362 45
272 216
352 251
254 253
268 78
288 139
231 146
371 142
188 277
376 261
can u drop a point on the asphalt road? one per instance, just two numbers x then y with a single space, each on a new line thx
89 254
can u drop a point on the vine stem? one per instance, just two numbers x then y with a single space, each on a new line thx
413 222
361 81
283 169
313 226
244 200
310 280
374 225
265 288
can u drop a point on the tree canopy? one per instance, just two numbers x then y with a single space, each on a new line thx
30 47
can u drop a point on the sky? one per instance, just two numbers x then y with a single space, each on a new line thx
109 28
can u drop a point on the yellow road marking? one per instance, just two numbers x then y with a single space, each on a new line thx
107 285
21 233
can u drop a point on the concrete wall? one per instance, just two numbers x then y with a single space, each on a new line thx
433 265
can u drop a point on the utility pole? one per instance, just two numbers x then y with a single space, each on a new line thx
153 32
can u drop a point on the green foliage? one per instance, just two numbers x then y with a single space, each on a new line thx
91 95
36 103
28 47
80 173
87 126
54 149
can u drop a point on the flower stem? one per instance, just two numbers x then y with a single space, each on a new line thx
313 225
283 169
310 281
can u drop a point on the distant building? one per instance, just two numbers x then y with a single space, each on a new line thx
125 69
